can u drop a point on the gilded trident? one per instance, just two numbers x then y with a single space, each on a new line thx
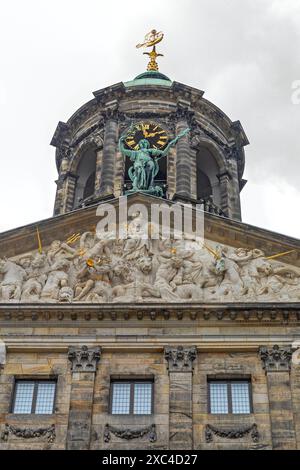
150 40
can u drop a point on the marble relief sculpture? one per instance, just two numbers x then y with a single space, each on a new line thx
137 270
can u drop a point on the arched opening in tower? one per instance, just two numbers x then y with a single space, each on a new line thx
207 170
86 171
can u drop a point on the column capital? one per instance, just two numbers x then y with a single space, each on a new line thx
180 359
84 359
276 358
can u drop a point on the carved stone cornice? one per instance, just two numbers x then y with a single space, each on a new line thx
84 359
235 433
276 359
29 433
129 434
180 359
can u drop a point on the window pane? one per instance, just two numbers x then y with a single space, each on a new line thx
23 397
142 399
45 398
218 398
121 399
240 397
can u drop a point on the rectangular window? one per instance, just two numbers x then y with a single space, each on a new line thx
131 397
34 397
231 396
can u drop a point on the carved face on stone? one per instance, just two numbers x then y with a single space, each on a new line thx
38 261
65 294
145 264
265 268
122 270
55 245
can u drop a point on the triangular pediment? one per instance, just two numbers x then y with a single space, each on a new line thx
64 259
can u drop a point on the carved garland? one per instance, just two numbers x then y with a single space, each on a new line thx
28 433
237 433
130 433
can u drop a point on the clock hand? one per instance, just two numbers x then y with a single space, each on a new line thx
153 134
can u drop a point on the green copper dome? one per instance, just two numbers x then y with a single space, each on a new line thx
150 78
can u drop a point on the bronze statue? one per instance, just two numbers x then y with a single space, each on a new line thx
145 163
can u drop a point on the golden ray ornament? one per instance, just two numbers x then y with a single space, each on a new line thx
40 248
150 40
278 255
73 238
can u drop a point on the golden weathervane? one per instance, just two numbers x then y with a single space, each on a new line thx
150 40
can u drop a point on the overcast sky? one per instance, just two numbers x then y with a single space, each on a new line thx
245 55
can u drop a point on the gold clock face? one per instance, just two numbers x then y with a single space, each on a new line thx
156 136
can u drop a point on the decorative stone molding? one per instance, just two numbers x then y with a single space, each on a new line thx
28 433
84 359
116 312
129 434
180 359
235 433
276 359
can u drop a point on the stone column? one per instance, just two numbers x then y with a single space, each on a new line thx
84 362
98 172
109 151
224 179
277 363
180 365
69 192
2 355
183 155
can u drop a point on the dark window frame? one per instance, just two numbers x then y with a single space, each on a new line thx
131 382
229 382
34 397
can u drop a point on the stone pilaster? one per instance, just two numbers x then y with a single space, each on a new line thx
119 174
224 179
180 365
109 150
2 355
183 155
276 362
84 363
99 159
234 191
171 172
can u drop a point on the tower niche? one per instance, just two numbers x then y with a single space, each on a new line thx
86 175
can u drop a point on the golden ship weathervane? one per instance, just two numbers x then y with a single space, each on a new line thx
150 40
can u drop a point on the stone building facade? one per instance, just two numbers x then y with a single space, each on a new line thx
170 346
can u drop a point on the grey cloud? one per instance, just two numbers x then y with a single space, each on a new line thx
245 55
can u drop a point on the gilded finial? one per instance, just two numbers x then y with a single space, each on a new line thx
150 40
